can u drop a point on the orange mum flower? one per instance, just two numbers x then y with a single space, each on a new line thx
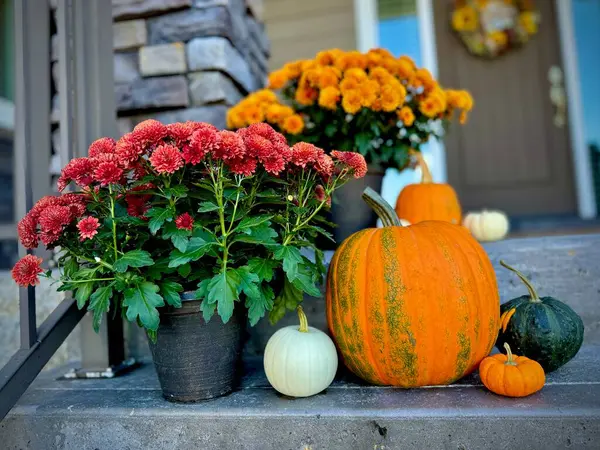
329 76
369 91
406 115
278 79
352 101
380 75
274 113
348 84
293 124
306 95
327 57
329 97
254 114
266 95
390 98
429 107
355 74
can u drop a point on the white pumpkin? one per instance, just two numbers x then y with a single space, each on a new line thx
300 361
404 223
486 226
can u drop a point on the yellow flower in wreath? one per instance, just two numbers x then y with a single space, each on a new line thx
528 21
352 101
293 124
465 19
329 97
500 38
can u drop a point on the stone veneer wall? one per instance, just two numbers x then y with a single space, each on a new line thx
175 60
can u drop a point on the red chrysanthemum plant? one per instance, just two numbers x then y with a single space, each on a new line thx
173 208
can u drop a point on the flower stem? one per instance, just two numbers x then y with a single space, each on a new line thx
114 224
86 281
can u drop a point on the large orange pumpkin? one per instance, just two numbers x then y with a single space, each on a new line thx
412 306
428 200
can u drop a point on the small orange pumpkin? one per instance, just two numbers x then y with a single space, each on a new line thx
511 375
428 200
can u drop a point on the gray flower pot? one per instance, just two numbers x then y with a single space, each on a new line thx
196 360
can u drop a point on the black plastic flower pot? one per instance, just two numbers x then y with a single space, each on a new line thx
348 211
196 360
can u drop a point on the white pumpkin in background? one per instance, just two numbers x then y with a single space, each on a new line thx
487 226
300 361
404 223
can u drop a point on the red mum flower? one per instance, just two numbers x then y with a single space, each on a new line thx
185 222
259 146
181 132
242 166
128 149
354 161
108 172
54 217
42 204
264 130
26 270
76 203
48 238
304 153
149 133
137 205
274 164
101 146
324 165
231 146
205 139
78 170
27 229
166 159
88 228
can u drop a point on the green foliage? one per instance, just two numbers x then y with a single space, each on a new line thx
141 302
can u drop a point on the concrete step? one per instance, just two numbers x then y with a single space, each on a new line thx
130 413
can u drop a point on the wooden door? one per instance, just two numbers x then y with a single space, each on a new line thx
510 156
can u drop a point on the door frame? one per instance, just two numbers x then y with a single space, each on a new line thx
366 18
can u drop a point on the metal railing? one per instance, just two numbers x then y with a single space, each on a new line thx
87 111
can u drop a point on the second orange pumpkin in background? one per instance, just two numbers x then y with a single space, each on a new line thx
428 200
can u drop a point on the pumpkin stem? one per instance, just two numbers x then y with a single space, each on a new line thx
425 173
383 209
303 320
532 293
509 356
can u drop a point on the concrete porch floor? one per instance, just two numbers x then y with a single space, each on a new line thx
130 413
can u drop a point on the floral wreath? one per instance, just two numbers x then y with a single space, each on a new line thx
489 28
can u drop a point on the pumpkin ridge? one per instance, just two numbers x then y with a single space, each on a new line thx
403 342
365 310
482 349
343 273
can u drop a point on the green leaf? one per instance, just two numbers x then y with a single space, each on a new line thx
152 335
252 221
196 249
291 257
263 267
141 302
70 267
133 258
331 129
222 290
363 142
85 273
82 295
177 191
170 292
262 234
158 218
258 306
305 282
248 283
323 232
184 271
208 310
100 303
202 290
207 207
289 299
179 237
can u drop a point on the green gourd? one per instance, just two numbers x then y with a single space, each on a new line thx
541 328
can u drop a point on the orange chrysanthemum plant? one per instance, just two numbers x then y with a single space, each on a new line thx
373 103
